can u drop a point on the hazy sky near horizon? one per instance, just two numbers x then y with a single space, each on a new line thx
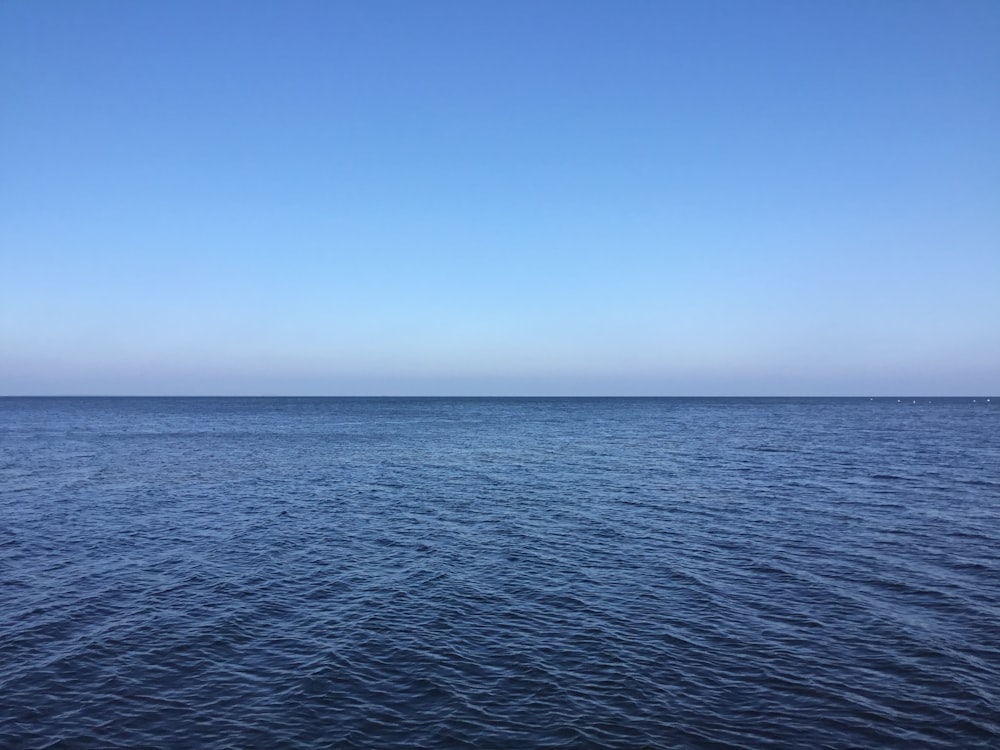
500 197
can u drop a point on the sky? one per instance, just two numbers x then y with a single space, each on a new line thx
499 197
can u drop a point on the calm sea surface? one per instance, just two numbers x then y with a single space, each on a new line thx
499 573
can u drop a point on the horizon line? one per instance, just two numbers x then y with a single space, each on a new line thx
493 396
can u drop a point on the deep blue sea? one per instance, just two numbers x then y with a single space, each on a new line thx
499 573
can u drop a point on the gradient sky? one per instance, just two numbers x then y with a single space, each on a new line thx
500 197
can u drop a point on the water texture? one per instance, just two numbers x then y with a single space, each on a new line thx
675 573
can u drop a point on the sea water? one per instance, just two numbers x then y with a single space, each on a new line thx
382 573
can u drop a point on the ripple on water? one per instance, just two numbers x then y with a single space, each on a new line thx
495 573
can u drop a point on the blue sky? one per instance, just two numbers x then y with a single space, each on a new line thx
547 197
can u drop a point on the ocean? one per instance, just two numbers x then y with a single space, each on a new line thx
499 573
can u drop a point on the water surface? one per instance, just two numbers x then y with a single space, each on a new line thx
690 573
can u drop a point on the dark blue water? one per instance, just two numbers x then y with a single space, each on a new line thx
499 573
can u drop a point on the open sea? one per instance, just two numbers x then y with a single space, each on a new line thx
499 573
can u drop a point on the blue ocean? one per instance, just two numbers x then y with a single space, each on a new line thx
499 573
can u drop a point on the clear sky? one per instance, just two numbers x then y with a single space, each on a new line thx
500 197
